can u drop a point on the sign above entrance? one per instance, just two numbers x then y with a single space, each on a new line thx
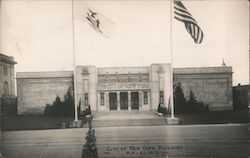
123 86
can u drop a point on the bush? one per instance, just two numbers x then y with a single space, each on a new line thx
195 106
8 105
179 99
190 106
89 148
62 108
59 108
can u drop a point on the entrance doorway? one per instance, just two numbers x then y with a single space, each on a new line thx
135 100
124 100
112 101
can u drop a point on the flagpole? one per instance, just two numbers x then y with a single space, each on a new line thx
171 58
74 59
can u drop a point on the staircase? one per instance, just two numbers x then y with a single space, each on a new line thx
127 118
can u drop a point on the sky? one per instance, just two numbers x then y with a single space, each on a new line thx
39 35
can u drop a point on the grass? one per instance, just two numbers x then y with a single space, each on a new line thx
216 117
33 122
45 122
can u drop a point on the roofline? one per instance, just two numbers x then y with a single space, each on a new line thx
7 59
44 74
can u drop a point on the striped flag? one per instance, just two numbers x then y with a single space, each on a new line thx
182 14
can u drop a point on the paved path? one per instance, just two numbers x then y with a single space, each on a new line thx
137 141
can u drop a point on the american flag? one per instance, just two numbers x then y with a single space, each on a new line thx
182 14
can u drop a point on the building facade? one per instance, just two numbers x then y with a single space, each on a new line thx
241 97
125 88
7 78
7 85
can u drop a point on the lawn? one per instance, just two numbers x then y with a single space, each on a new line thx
216 117
33 122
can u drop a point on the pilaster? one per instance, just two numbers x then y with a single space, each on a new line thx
129 100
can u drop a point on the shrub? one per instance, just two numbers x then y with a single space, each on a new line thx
179 99
62 108
89 148
195 106
190 106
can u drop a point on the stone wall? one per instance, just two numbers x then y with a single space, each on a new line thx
35 90
211 85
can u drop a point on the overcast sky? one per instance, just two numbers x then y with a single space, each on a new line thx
38 34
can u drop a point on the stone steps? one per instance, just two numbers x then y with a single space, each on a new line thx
111 119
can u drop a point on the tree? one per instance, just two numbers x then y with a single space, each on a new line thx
65 107
190 106
195 106
192 102
179 99
69 101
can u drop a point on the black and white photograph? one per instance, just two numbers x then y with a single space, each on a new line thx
124 79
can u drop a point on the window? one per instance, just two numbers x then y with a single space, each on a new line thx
86 99
145 97
5 71
102 98
161 97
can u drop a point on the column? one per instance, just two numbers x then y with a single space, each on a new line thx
149 101
83 108
107 100
98 101
129 100
118 101
140 100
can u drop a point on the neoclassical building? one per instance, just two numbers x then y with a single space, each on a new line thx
125 88
7 80
7 85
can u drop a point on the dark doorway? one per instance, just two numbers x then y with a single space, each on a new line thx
134 100
113 101
124 100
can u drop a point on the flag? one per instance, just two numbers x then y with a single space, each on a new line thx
182 14
95 19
